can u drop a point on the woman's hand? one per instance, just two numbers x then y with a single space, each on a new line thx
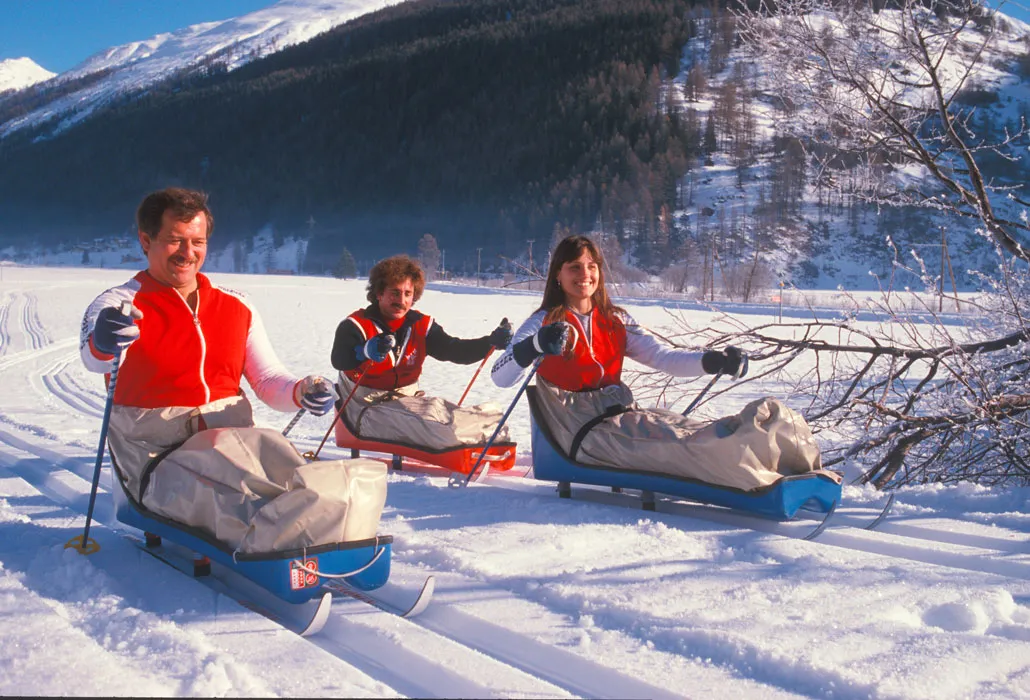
732 361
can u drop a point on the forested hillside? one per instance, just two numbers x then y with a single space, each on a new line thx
485 123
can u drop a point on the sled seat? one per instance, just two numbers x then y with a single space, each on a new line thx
289 575
500 456
780 500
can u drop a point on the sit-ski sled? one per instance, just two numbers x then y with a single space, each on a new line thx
499 457
295 576
779 501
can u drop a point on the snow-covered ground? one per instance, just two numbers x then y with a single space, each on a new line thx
536 596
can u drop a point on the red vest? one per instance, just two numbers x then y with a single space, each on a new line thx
590 366
396 370
182 359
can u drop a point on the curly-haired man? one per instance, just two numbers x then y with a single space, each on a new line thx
382 348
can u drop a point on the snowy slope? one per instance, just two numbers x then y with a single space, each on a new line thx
537 597
18 73
139 64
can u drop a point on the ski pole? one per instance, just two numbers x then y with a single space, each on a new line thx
478 370
314 455
456 481
704 391
741 371
289 427
83 544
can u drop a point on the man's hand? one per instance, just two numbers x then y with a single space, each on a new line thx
376 348
315 393
732 361
116 329
501 335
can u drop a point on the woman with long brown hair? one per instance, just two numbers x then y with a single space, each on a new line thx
576 307
578 340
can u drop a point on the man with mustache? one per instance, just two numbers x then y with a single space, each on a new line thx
184 345
382 348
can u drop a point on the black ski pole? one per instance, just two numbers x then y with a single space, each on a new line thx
289 427
704 391
456 481
82 543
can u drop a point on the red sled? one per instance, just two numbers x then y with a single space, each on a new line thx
500 457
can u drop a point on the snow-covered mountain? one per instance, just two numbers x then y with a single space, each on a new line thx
137 65
18 73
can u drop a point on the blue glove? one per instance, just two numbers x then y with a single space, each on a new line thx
501 335
315 393
376 348
116 329
549 340
732 361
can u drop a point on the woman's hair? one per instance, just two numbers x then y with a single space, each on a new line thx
567 250
395 270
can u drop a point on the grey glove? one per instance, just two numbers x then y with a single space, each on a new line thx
316 394
116 329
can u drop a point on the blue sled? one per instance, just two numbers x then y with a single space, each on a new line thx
289 575
779 501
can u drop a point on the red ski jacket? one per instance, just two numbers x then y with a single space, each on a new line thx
187 358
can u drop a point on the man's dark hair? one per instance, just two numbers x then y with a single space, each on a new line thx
395 270
183 204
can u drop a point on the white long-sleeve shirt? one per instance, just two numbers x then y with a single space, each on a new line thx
641 346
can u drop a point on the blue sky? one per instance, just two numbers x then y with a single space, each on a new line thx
59 34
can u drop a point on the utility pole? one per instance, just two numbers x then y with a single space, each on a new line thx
530 242
946 263
479 252
443 264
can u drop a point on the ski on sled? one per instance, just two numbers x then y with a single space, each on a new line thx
305 619
392 599
688 508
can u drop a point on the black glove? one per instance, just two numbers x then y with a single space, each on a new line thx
376 348
501 335
549 340
116 328
732 361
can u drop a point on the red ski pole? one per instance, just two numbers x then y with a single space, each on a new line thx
314 455
478 370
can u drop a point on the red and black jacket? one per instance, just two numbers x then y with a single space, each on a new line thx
418 336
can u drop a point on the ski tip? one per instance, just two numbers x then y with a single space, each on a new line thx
320 617
424 598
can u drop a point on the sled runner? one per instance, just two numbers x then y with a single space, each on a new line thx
780 500
295 576
500 457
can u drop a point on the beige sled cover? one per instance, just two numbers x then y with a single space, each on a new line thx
751 449
247 487
407 415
